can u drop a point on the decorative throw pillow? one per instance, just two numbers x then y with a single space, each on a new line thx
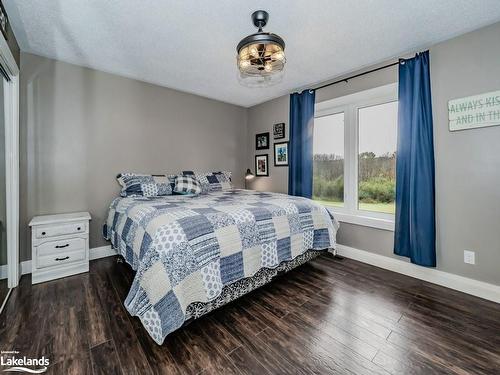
187 185
134 184
214 181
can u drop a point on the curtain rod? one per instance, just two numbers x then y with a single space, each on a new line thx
357 75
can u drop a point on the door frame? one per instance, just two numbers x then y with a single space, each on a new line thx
11 109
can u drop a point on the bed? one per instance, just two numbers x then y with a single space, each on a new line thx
194 254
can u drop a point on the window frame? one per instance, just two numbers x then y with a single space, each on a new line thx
350 105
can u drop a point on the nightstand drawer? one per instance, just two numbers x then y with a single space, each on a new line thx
61 246
60 230
61 258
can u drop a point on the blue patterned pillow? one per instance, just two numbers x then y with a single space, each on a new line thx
214 181
187 185
134 184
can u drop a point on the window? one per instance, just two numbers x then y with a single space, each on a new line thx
355 156
377 157
328 162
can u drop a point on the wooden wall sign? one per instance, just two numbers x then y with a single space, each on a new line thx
473 112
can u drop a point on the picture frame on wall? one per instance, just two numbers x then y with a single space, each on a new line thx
261 165
262 141
281 154
279 130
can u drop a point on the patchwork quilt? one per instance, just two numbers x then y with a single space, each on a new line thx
186 249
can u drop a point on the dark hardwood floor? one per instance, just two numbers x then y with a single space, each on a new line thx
3 290
326 317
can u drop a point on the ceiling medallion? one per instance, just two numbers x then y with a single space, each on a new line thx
261 56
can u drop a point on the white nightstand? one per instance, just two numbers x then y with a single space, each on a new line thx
60 246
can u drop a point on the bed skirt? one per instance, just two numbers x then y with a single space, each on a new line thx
244 286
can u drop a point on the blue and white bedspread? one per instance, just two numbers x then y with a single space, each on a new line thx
186 249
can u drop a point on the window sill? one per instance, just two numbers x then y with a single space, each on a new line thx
363 220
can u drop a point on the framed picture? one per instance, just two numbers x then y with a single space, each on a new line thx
262 141
279 130
261 165
281 154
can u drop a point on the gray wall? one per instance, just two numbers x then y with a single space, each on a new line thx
467 162
80 127
260 120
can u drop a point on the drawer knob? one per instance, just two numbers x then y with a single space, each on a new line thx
43 233
78 228
59 259
62 246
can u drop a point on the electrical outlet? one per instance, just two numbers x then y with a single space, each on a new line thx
469 257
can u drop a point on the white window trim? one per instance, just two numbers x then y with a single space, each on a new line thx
350 105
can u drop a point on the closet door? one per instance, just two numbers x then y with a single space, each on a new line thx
3 201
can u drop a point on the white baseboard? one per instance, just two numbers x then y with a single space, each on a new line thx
4 272
25 267
463 284
101 252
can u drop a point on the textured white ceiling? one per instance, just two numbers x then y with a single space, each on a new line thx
190 45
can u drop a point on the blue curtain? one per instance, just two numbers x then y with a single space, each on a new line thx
415 231
300 171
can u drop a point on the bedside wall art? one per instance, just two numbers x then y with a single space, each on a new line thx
261 165
279 130
262 141
281 154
